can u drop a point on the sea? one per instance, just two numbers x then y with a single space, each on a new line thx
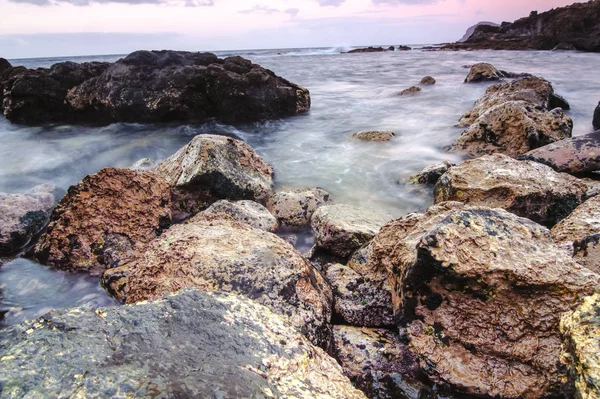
350 93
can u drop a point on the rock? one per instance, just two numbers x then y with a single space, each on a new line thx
391 48
514 128
4 65
404 48
596 121
593 187
143 164
361 300
580 232
411 90
532 89
564 47
581 331
213 252
471 30
22 216
295 208
525 188
480 292
577 155
342 229
104 219
226 167
378 363
374 135
246 211
189 345
431 174
369 49
427 80
483 72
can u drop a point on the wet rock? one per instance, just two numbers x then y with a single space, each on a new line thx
483 72
226 167
593 187
374 135
378 363
431 174
580 232
189 345
514 128
143 164
4 65
295 208
22 216
525 188
581 331
369 49
577 155
427 80
342 229
596 120
411 90
532 89
480 292
246 211
391 48
361 300
104 219
213 252
404 48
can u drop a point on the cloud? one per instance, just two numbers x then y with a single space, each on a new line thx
333 3
263 9
409 2
188 3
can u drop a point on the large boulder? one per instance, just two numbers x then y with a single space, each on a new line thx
189 345
532 89
479 292
581 331
431 174
342 229
22 216
483 72
213 252
514 128
104 219
526 188
596 120
577 155
246 211
295 208
218 166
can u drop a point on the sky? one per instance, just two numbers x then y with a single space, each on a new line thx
46 28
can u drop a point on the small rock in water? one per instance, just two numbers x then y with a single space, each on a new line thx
428 80
483 72
253 213
374 135
391 48
295 208
404 48
596 121
143 165
431 174
411 90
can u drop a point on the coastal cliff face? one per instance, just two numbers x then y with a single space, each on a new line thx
573 27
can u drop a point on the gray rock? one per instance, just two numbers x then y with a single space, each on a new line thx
295 208
374 135
189 345
596 120
246 211
143 164
431 174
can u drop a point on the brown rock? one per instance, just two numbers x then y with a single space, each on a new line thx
104 219
513 128
295 208
427 80
246 211
483 72
374 135
526 188
411 90
481 292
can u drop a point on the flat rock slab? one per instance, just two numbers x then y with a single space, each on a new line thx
253 213
576 155
374 135
189 345
295 208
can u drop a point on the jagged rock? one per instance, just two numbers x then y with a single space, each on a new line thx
427 80
581 331
342 229
525 188
104 219
431 174
404 48
378 363
374 135
189 345
143 164
576 155
532 89
246 211
471 30
580 232
483 72
369 49
514 128
596 120
391 48
480 292
213 252
4 65
225 167
361 300
295 208
411 90
22 216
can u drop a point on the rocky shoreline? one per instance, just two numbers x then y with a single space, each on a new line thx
490 292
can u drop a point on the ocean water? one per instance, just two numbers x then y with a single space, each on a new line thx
350 92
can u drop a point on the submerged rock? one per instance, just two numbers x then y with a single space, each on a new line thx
225 167
483 72
213 252
374 135
581 331
411 90
342 229
526 188
480 292
427 80
431 174
189 345
404 48
104 219
514 128
22 216
246 211
369 49
295 208
577 155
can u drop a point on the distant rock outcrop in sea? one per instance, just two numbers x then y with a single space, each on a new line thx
471 30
